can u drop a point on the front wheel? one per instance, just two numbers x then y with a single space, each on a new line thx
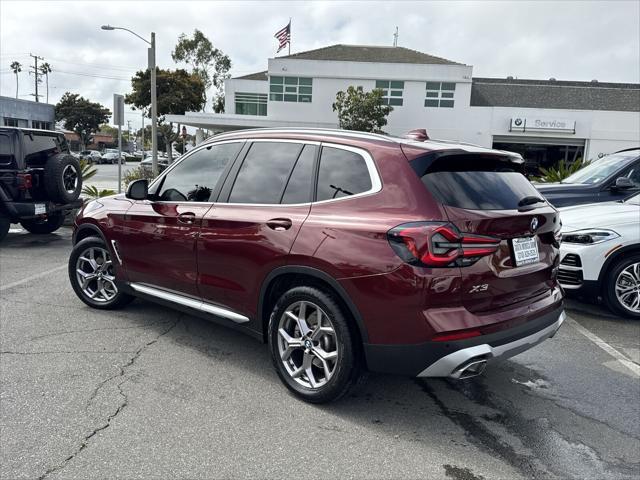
92 276
44 226
622 288
312 346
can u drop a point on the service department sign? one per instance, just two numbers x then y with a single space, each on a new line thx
536 124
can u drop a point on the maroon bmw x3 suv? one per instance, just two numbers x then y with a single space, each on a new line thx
344 251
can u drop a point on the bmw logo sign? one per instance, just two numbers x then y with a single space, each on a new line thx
534 224
518 122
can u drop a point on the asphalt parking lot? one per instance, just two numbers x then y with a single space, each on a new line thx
146 392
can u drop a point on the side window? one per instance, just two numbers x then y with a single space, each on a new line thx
342 173
195 177
298 189
264 172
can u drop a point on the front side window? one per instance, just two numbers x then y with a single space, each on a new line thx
440 94
251 103
264 173
391 91
290 89
342 173
194 178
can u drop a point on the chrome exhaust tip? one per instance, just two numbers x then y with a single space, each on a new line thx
472 368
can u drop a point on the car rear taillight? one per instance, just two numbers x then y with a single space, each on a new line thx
439 244
25 181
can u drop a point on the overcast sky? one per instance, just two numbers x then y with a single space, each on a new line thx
573 40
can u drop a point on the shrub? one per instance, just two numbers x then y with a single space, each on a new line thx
562 171
137 173
92 192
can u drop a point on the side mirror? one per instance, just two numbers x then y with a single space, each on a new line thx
138 190
623 183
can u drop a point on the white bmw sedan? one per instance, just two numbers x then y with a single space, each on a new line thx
600 253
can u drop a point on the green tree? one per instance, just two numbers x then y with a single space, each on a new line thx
16 67
362 111
178 92
206 61
81 115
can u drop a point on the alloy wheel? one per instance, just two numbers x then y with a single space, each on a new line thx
627 287
70 178
307 344
94 273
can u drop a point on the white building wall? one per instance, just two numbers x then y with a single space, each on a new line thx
602 131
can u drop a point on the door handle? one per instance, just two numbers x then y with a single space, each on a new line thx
279 224
187 217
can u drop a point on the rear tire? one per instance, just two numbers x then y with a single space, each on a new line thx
62 178
312 346
621 290
4 227
91 273
41 227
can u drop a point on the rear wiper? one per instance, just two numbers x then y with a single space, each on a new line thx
530 200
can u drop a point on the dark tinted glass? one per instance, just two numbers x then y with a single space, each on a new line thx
478 190
299 187
195 177
342 173
264 172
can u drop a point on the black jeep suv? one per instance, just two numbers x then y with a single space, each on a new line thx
39 180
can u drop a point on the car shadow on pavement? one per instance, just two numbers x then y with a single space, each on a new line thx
508 413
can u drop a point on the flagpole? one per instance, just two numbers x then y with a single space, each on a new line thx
290 35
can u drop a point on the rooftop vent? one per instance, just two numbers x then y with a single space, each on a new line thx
552 79
595 80
509 77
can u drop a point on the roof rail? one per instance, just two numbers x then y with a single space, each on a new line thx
325 131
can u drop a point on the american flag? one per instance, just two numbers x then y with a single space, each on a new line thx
284 36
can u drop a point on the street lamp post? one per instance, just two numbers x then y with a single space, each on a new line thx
154 100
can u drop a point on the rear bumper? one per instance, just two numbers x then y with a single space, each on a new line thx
450 359
27 210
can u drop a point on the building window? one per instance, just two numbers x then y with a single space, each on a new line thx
290 89
40 124
251 104
440 94
391 91
16 122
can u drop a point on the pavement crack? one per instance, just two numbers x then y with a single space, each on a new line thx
123 404
66 332
484 438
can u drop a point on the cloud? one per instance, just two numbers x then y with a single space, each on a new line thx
567 40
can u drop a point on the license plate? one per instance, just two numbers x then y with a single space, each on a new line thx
40 209
525 250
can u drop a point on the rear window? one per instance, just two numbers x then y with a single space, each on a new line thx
475 182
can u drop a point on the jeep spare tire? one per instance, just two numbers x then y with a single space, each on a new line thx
62 178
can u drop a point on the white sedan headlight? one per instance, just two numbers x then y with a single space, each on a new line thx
589 236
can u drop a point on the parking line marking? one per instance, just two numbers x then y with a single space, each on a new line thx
621 357
32 277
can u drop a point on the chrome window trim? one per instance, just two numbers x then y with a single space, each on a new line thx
190 302
374 176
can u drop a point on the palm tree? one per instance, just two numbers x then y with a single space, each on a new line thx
16 67
45 69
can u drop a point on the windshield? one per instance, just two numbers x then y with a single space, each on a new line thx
597 171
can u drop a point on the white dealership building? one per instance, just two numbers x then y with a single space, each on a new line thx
545 120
